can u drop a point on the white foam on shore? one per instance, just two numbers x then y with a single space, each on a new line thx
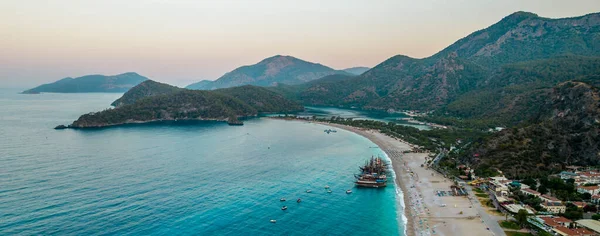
399 195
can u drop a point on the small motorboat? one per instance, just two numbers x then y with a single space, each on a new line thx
329 191
308 191
348 191
299 200
326 186
283 208
273 221
282 200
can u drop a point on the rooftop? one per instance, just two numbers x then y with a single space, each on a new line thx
552 204
590 188
554 221
574 232
590 224
567 173
531 191
550 198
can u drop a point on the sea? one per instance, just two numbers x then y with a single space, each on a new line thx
181 178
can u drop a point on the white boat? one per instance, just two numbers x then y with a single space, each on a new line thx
329 190
308 191
348 191
283 208
273 221
326 186
282 200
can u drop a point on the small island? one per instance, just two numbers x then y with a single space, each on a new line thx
91 84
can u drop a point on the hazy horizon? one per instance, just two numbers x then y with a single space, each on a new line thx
183 41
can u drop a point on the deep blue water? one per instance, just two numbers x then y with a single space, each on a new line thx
198 178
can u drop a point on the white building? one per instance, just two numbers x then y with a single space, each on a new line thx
593 190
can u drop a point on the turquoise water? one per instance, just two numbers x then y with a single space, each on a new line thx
360 114
197 178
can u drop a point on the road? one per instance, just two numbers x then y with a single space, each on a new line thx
488 220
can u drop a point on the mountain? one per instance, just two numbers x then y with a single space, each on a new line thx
268 72
515 93
147 88
524 36
357 70
567 132
184 104
201 85
468 65
91 84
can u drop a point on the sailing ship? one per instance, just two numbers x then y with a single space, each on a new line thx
373 174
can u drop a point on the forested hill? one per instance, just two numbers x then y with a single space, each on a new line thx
91 84
268 72
147 88
567 132
222 105
524 36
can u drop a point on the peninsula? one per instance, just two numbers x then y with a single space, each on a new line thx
140 105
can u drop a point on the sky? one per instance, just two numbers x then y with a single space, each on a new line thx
184 41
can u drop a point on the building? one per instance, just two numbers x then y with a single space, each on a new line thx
564 231
593 190
554 207
592 225
531 192
554 221
546 198
590 177
580 205
595 199
499 186
515 208
568 175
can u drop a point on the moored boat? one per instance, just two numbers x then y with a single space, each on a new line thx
373 174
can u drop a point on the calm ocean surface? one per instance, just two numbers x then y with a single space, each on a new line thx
179 179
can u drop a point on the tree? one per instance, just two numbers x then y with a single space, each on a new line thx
521 217
542 189
586 196
531 182
596 216
590 208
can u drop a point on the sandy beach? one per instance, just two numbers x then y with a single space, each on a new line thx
425 211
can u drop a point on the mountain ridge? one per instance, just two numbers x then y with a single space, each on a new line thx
91 83
270 71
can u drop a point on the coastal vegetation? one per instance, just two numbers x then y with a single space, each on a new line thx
226 105
147 88
433 140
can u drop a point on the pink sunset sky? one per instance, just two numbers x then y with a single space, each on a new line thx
184 41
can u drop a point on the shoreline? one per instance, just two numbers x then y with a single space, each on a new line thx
424 211
409 223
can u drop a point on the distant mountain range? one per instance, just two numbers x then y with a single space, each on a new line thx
357 70
269 72
91 84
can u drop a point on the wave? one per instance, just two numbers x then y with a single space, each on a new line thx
399 196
